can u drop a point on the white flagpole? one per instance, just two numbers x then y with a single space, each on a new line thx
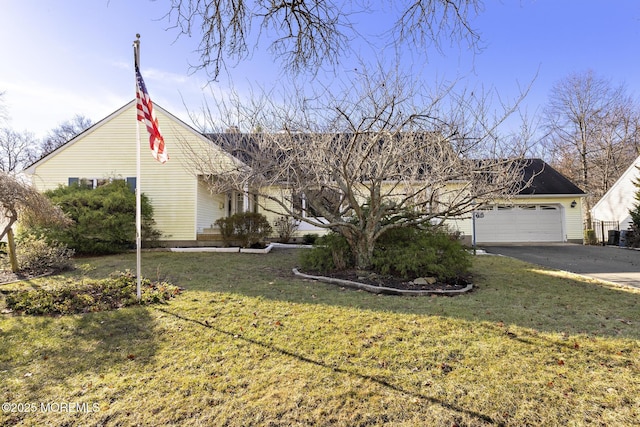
136 55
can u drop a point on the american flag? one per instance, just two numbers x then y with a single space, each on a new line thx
148 117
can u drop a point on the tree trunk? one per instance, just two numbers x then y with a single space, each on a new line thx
12 251
362 248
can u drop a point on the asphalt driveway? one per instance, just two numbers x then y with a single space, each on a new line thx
610 263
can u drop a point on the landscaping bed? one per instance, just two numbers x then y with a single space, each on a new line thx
388 281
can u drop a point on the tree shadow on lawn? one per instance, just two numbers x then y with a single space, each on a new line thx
321 364
507 291
66 349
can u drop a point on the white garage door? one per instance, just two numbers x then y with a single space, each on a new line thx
519 223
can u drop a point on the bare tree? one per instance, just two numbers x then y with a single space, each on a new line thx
17 150
381 155
64 132
593 132
21 201
615 146
3 108
306 34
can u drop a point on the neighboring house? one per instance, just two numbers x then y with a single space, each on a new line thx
616 203
185 210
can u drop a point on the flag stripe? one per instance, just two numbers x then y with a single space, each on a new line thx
148 117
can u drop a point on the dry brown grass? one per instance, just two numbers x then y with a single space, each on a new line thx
248 344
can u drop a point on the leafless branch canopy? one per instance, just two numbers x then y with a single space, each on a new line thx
19 200
307 34
382 152
381 148
594 131
64 132
17 150
430 22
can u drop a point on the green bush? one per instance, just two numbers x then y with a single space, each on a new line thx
412 252
248 228
309 238
104 218
37 256
401 252
108 294
633 236
330 252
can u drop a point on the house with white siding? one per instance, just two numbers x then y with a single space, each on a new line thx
184 209
550 210
616 203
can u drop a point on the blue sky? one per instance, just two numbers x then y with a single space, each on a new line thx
67 57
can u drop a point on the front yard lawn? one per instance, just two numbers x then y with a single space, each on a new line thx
247 343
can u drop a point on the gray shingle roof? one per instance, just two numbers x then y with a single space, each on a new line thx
547 180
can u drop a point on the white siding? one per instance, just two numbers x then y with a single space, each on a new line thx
210 207
616 203
108 149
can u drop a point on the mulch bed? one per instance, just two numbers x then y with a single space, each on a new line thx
7 276
374 279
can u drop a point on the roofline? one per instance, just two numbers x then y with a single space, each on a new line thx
634 165
30 170
542 196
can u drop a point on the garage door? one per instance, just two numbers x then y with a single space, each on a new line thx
519 223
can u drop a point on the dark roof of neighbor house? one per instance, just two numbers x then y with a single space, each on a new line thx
546 180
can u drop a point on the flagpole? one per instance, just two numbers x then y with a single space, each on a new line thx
136 57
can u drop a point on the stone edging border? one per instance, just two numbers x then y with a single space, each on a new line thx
381 289
220 249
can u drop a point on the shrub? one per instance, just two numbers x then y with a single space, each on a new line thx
309 238
633 236
104 218
100 295
590 237
248 228
413 252
227 229
286 226
37 256
330 252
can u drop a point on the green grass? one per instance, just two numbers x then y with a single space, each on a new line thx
249 344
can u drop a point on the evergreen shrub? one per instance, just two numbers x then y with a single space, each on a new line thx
104 218
414 252
330 252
